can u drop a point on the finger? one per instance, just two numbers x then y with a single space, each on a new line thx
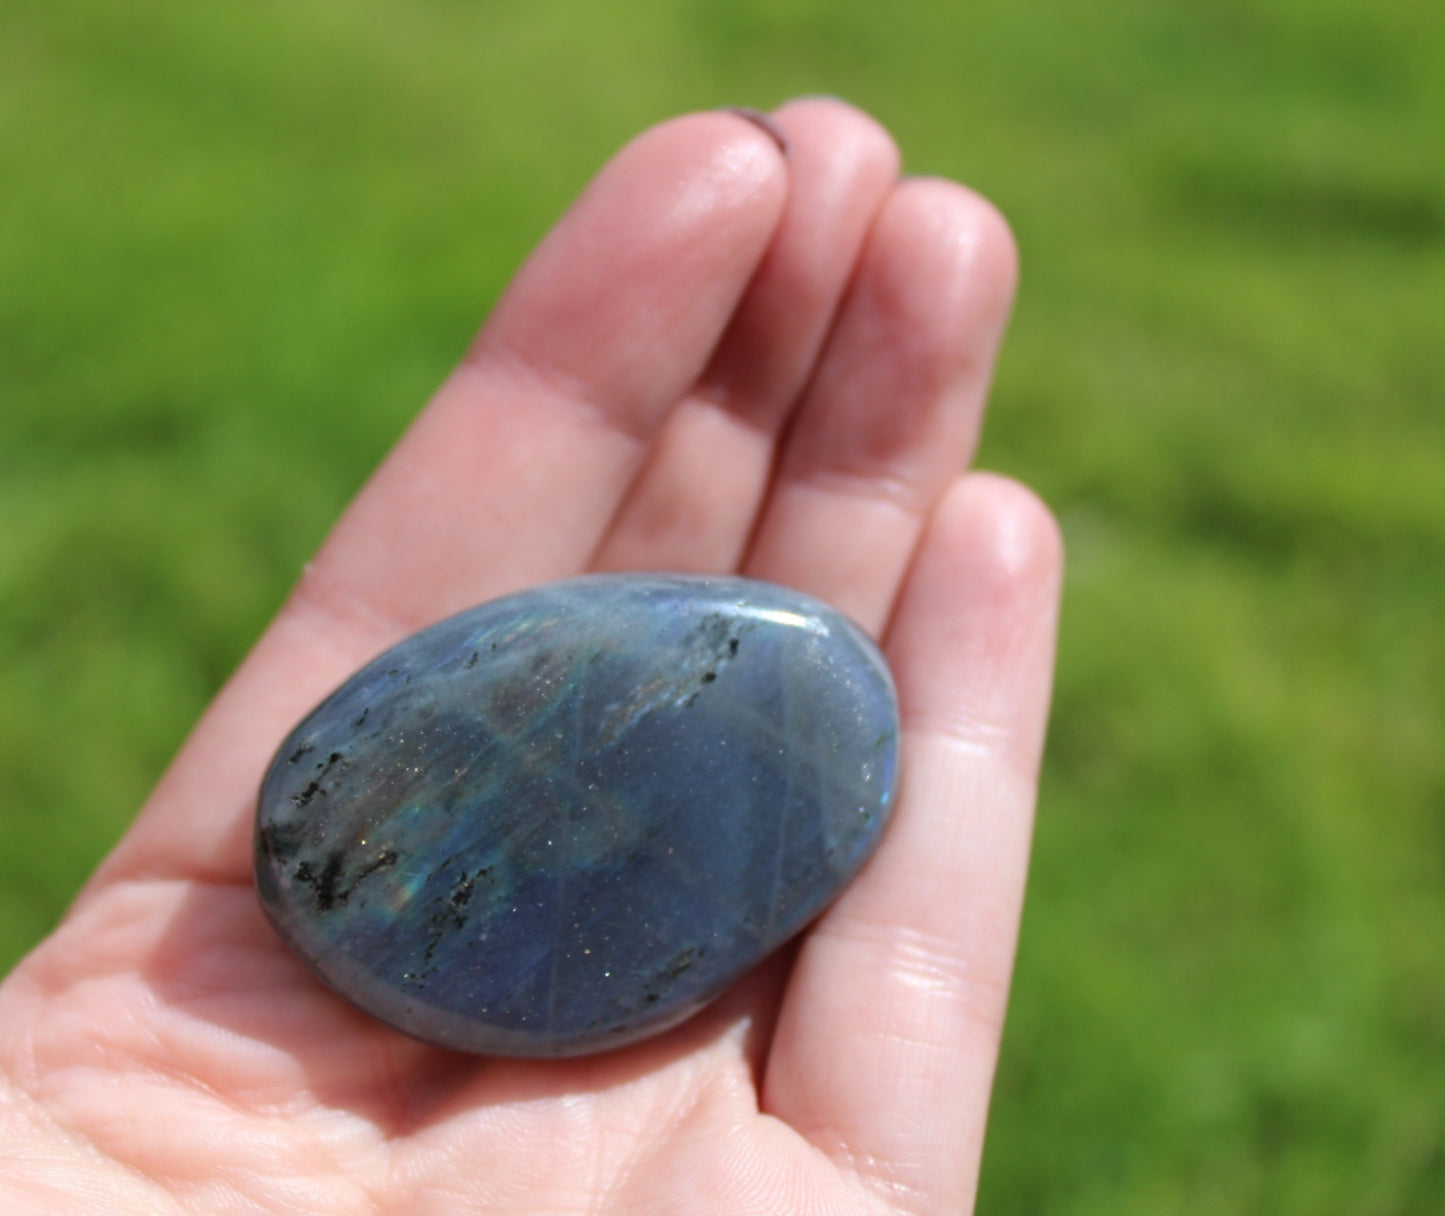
693 506
888 1035
513 472
893 412
510 474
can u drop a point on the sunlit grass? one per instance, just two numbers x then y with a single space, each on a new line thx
239 244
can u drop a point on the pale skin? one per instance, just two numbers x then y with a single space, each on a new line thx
723 358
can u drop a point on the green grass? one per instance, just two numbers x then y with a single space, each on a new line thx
240 243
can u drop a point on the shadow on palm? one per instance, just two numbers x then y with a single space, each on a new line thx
219 967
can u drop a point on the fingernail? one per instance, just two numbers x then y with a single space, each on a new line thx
763 122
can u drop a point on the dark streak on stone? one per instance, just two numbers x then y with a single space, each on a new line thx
450 916
323 885
387 858
327 896
281 843
326 887
682 961
315 787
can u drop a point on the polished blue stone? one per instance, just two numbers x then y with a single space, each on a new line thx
567 819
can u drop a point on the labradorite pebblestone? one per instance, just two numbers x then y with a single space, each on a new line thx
567 819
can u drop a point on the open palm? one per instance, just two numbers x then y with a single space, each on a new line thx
730 355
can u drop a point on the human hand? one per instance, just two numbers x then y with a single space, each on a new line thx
721 359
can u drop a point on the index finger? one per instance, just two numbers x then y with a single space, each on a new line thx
512 472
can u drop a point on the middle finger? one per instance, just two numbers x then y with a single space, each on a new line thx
693 505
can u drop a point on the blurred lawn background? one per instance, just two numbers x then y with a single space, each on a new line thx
239 244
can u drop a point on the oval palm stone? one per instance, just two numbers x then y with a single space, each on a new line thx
567 819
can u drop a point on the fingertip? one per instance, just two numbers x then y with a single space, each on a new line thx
707 173
994 240
966 236
1003 536
845 125
734 149
972 640
764 122
653 256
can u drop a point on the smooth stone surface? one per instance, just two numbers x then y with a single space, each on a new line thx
569 818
